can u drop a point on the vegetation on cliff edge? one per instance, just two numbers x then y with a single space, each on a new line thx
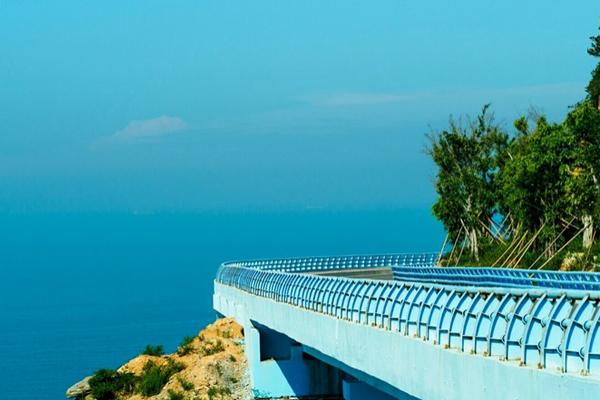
530 199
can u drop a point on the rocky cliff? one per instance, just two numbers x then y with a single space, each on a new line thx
209 366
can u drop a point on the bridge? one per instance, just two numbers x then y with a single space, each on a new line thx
400 327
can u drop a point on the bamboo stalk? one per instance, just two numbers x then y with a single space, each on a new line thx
551 243
515 249
503 222
511 244
510 262
461 249
491 233
443 247
562 248
454 247
496 226
529 245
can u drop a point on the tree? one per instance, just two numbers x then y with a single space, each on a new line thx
468 157
593 87
582 188
530 182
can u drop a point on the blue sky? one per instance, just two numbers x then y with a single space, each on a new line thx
192 105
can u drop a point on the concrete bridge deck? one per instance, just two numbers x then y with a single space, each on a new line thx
385 273
328 328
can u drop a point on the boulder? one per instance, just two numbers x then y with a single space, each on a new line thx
79 390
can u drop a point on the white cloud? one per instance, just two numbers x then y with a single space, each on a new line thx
149 128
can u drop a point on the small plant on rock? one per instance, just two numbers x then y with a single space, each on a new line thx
185 384
213 348
150 350
175 395
154 377
107 384
186 346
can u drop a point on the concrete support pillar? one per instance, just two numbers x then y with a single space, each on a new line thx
279 367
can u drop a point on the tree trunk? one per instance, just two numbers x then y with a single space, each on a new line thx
588 232
549 250
473 244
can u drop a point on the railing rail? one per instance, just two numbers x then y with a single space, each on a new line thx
492 277
310 264
525 322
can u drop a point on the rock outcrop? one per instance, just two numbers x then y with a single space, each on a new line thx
80 390
212 365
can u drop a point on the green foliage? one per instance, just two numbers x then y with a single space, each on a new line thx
150 350
545 180
185 384
593 87
186 347
154 377
594 49
531 183
174 395
468 157
225 334
106 384
211 348
583 129
219 369
213 392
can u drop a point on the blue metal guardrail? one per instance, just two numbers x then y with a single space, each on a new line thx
541 328
313 264
492 277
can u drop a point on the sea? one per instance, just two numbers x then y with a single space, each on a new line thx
84 291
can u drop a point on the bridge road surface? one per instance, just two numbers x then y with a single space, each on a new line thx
383 274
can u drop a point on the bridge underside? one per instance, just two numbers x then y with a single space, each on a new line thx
297 352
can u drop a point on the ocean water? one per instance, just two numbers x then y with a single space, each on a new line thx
80 292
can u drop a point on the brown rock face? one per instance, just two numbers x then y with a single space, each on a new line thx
213 366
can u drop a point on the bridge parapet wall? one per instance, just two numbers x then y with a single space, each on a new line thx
540 328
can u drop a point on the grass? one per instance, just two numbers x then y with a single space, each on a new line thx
185 384
175 395
107 384
186 347
150 350
154 377
213 348
213 392
219 369
225 334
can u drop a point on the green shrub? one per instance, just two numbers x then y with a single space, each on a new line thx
218 391
185 384
174 395
219 369
213 348
186 346
232 358
106 384
154 377
225 334
150 350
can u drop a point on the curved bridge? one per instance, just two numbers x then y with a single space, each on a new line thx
429 333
